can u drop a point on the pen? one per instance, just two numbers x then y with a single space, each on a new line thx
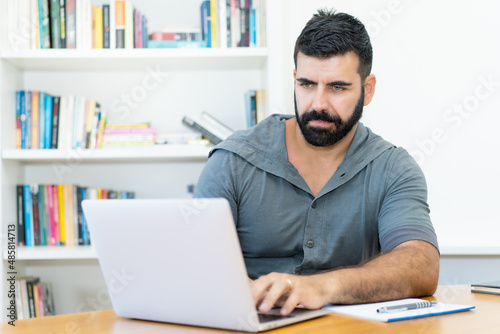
406 307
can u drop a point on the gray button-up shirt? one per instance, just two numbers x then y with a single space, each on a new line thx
376 200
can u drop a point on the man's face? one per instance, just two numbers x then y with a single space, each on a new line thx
329 97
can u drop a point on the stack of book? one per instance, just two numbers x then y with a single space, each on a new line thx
70 24
255 106
51 215
233 23
45 121
175 39
141 134
33 298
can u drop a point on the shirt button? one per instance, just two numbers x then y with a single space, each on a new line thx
314 205
310 244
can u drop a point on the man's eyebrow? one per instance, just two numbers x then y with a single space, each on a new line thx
333 83
339 83
306 81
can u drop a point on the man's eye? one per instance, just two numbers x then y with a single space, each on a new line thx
305 85
338 88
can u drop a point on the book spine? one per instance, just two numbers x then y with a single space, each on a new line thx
57 225
213 22
47 215
105 26
70 24
129 25
36 214
28 219
98 36
52 222
48 121
55 122
28 119
55 24
41 120
39 9
21 239
35 118
31 300
120 24
23 119
18 120
62 222
229 42
41 216
112 24
62 19
46 24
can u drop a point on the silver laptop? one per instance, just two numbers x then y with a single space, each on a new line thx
177 261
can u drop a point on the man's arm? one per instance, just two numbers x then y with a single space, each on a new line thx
411 269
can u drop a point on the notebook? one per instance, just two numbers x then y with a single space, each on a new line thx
177 261
370 311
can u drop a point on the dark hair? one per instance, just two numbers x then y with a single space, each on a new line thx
329 34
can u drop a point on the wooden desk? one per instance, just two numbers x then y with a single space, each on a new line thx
485 318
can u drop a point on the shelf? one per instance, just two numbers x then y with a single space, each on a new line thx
53 253
137 59
155 153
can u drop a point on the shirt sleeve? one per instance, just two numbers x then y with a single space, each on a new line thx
404 213
216 179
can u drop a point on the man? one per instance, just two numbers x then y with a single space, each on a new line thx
326 211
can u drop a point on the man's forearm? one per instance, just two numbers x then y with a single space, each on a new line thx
409 270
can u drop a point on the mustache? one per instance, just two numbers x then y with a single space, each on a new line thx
322 115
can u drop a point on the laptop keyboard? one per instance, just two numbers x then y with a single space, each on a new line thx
264 317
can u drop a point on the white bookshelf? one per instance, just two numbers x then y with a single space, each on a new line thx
136 59
155 153
214 80
37 253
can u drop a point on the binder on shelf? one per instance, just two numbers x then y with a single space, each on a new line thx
209 126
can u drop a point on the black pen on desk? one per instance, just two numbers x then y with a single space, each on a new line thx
406 307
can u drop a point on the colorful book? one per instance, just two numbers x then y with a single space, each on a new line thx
62 214
55 24
35 214
52 219
35 117
55 122
70 24
105 26
41 120
120 24
206 23
19 133
62 15
21 239
49 104
129 25
98 32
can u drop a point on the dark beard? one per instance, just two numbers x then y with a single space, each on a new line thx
323 137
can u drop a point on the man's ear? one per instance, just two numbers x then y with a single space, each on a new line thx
370 83
294 73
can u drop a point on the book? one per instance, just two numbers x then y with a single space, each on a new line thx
21 240
120 24
70 24
28 218
369 311
488 287
18 120
105 26
206 23
35 117
62 16
209 126
129 25
55 24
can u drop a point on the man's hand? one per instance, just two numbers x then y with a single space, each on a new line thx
287 291
409 270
